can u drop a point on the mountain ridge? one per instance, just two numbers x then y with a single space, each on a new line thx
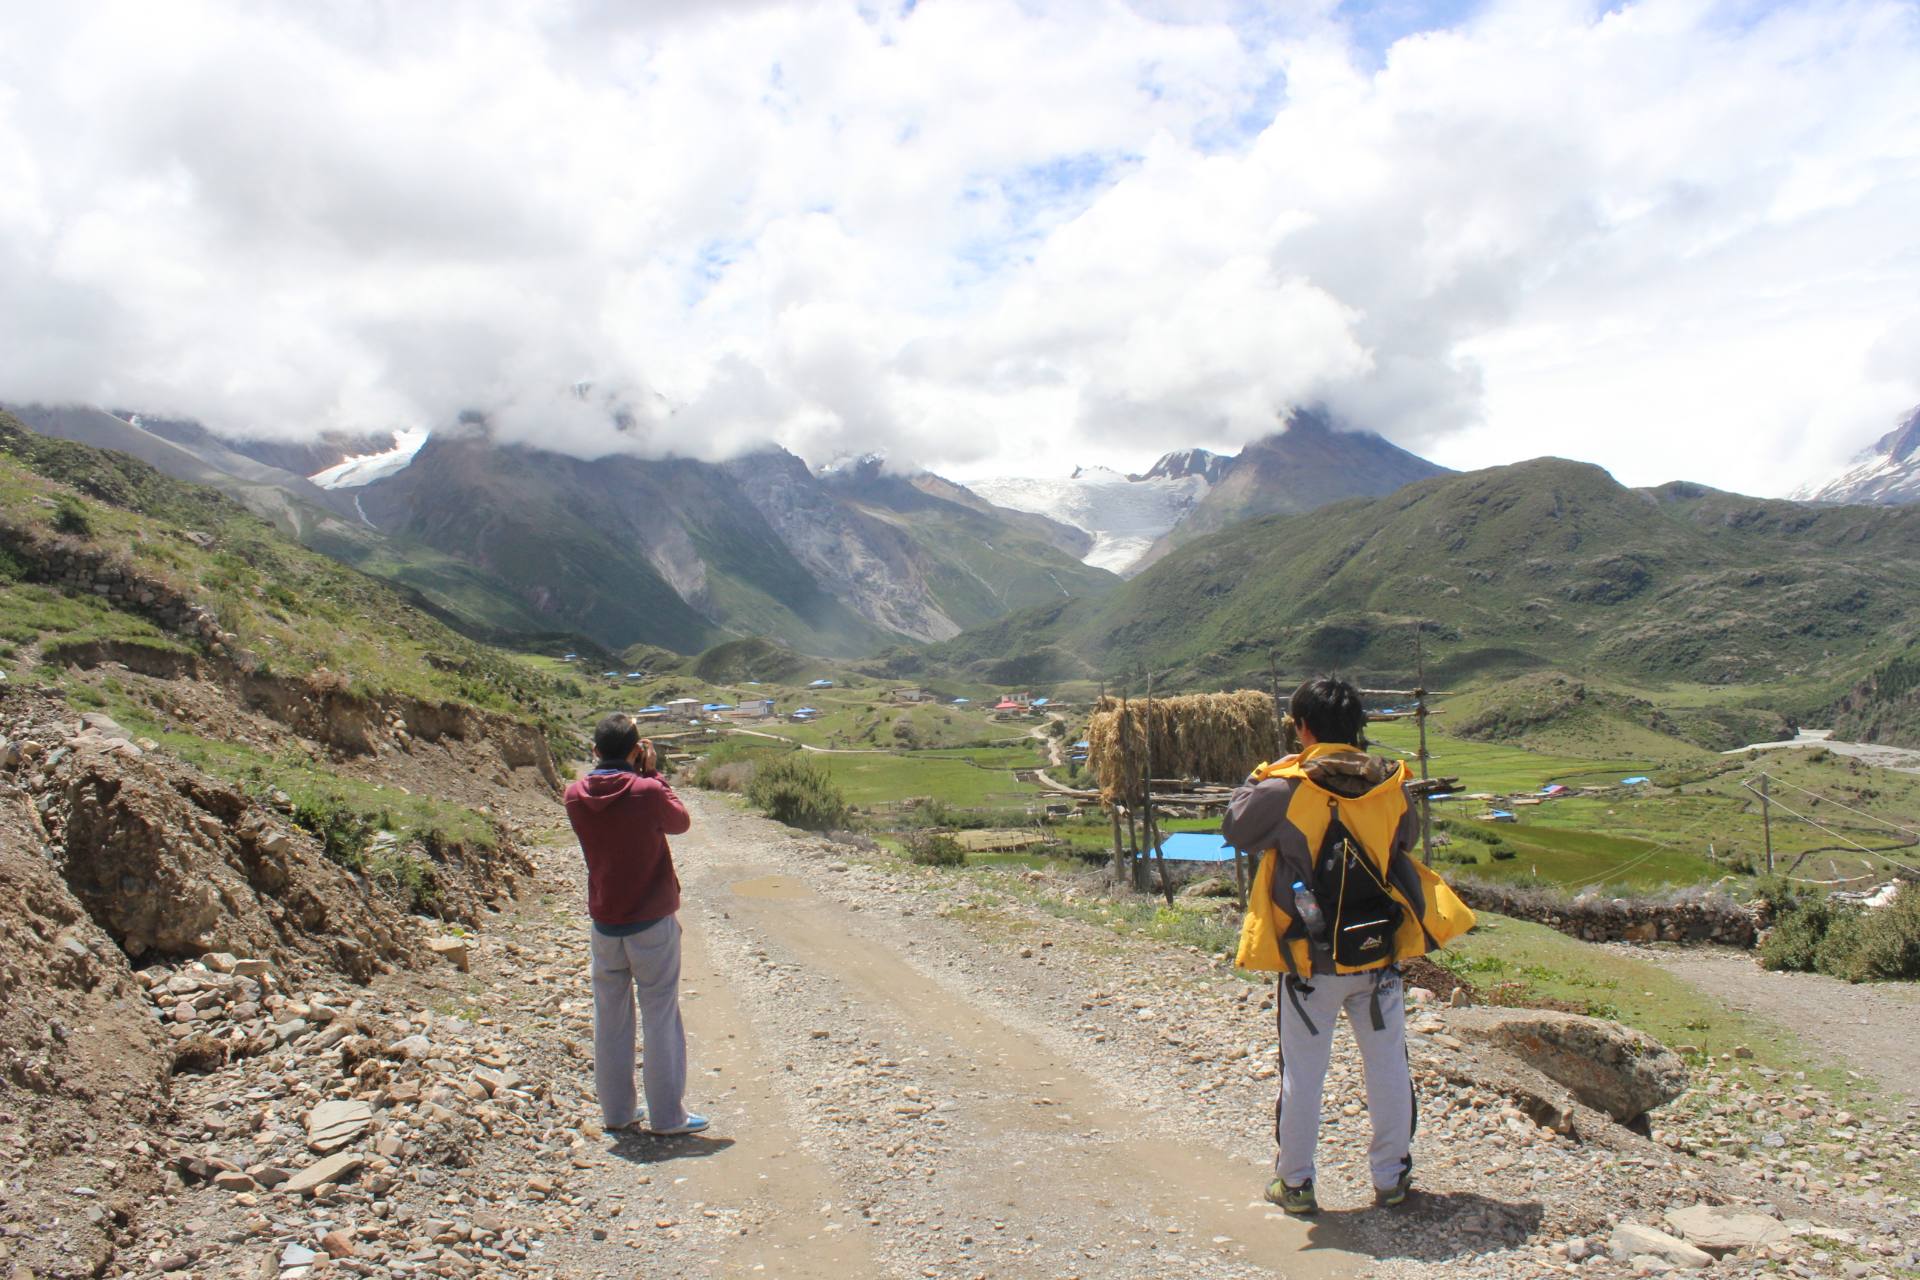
1134 520
1535 565
1885 473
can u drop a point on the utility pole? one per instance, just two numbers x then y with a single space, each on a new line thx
1420 718
1766 820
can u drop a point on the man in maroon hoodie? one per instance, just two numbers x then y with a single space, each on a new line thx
622 812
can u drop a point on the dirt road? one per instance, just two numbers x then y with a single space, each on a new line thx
875 1114
1868 1027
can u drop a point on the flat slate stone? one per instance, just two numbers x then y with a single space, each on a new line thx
1722 1229
321 1172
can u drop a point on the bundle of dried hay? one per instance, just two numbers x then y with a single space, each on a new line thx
1213 737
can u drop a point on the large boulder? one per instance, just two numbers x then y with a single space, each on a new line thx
1611 1068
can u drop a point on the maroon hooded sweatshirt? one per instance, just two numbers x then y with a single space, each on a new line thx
622 819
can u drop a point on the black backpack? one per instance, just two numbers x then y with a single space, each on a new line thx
1362 917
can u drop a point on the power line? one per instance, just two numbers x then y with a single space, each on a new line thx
1841 804
1846 839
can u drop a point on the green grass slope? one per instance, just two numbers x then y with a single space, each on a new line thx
296 610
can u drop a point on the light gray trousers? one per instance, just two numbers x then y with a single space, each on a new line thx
1308 1014
647 963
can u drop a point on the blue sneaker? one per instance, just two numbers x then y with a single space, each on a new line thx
692 1124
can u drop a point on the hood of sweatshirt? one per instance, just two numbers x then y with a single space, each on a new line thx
1347 772
598 790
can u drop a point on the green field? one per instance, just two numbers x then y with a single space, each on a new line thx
1491 766
884 780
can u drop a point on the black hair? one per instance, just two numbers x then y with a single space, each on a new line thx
615 737
1331 709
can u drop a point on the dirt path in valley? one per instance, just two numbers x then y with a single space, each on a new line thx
1867 1027
871 1118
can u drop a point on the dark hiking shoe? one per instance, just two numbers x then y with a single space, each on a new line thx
1395 1195
1295 1200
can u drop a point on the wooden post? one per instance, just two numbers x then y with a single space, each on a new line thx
1420 718
1119 858
1130 874
1153 828
1279 717
1766 820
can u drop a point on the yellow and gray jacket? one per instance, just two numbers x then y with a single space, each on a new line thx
1281 814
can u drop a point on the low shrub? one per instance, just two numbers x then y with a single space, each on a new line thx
414 881
935 849
344 832
70 517
1814 934
798 792
1888 943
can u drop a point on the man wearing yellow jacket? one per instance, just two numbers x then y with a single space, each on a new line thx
1337 902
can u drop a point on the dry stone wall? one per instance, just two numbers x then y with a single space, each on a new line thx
1709 918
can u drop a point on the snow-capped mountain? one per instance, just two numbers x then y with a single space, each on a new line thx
364 469
1887 474
1124 514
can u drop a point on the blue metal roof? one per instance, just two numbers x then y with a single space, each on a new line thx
1195 846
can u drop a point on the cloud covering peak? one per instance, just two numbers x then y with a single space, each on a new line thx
1673 237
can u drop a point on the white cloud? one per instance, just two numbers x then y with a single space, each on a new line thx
1674 238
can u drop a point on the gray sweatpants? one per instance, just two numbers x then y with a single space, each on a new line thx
1305 1054
647 963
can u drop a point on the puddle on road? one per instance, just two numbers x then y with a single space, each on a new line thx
786 887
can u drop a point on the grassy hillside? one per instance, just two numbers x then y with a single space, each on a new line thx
1542 565
294 610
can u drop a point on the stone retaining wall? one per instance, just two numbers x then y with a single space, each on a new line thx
82 569
1710 918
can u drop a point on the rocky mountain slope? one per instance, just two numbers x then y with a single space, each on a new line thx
1886 473
1312 463
685 553
1537 565
1884 706
1134 520
511 542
